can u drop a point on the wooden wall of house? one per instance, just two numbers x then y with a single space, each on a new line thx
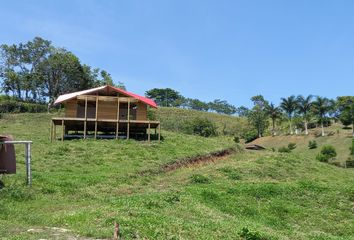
70 108
106 110
141 111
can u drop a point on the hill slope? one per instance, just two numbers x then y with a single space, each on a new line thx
173 119
82 187
336 136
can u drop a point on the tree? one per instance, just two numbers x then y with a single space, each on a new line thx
242 111
166 97
321 107
274 113
222 106
106 78
258 115
19 63
62 73
345 106
196 104
304 105
37 71
289 106
10 56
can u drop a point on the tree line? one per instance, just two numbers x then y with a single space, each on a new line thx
168 97
37 71
305 110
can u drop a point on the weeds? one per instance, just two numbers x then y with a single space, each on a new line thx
197 178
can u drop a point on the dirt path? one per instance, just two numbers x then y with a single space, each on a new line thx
191 161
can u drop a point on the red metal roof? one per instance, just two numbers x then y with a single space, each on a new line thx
68 96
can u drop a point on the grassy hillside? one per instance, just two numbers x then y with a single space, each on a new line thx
81 187
173 119
337 136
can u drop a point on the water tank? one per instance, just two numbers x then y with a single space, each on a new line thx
7 156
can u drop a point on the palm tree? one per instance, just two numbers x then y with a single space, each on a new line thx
289 106
274 113
321 107
304 105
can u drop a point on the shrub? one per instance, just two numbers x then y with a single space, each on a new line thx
352 148
201 126
197 178
13 106
250 135
322 158
291 146
151 114
237 139
284 150
312 144
327 152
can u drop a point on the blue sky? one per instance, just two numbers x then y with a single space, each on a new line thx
222 49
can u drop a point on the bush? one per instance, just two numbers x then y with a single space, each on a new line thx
201 126
284 150
327 152
13 106
352 148
291 146
250 135
312 144
237 139
322 158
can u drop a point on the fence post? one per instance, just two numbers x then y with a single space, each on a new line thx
28 163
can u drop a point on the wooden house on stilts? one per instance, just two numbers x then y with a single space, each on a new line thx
105 112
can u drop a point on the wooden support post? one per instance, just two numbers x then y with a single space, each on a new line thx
117 125
85 123
96 117
159 132
63 130
128 124
55 131
51 131
149 132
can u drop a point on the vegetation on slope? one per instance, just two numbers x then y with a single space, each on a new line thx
339 137
175 119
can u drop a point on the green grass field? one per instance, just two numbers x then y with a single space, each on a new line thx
81 187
